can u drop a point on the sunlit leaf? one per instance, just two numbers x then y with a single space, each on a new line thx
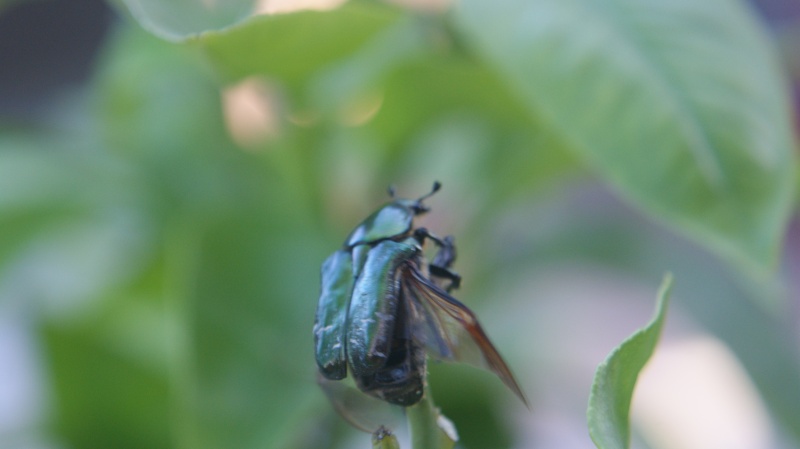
177 20
293 47
612 389
679 104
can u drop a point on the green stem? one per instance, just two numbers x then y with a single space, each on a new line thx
424 425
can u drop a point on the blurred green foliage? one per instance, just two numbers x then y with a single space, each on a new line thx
171 273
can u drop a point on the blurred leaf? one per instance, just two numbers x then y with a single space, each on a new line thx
612 389
249 296
425 88
30 203
92 224
104 398
680 105
178 20
294 47
158 112
470 397
238 250
441 115
591 227
155 100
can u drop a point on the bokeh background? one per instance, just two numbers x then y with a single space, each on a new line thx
164 213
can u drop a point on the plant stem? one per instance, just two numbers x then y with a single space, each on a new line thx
424 425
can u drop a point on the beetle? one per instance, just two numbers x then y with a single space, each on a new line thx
393 220
382 309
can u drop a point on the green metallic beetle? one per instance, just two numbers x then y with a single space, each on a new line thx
381 309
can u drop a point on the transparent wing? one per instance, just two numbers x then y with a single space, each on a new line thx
361 411
449 330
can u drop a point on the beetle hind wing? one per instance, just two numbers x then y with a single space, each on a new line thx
364 412
450 330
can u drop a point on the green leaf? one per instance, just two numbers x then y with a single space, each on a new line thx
420 91
178 20
244 384
293 47
680 105
104 398
612 389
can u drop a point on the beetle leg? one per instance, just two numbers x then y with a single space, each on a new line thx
444 259
444 273
423 233
447 252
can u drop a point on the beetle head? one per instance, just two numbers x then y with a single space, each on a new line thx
392 220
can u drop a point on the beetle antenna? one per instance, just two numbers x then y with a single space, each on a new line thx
390 190
436 186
